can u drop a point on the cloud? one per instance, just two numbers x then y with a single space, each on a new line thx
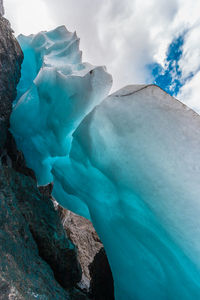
127 36
123 35
190 91
28 16
189 64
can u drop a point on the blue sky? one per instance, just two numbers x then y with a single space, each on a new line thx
169 76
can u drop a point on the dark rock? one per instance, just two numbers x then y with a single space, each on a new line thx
11 58
1 8
24 274
97 277
46 228
82 233
46 190
15 158
101 285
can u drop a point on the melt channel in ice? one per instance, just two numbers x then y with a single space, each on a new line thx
129 162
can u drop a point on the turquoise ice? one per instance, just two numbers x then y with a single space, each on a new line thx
128 161
55 93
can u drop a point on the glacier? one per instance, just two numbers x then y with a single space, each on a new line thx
128 161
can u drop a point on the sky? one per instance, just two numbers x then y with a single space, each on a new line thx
149 41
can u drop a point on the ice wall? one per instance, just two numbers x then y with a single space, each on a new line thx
131 165
55 93
139 176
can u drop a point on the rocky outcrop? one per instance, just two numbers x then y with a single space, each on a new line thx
101 284
13 157
47 231
11 58
1 8
97 277
83 235
27 264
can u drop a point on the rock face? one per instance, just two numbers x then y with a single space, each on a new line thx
37 259
97 277
101 284
30 234
47 230
83 235
1 8
11 58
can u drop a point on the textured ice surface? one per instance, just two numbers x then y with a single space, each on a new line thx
132 165
55 93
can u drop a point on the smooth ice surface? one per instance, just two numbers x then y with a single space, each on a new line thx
55 93
139 176
132 165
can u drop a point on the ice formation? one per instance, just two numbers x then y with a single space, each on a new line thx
55 93
129 162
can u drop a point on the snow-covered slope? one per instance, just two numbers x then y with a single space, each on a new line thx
131 166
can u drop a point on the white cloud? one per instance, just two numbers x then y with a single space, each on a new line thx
189 93
188 18
190 60
28 16
123 35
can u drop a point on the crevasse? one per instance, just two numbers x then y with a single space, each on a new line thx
128 161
